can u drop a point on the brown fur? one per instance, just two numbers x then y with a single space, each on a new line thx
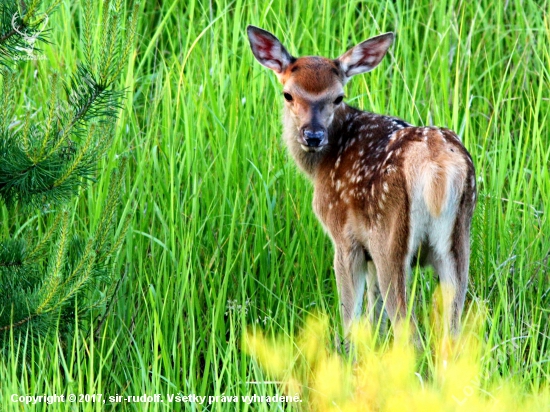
327 71
383 189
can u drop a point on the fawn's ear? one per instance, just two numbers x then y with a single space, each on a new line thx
366 55
268 50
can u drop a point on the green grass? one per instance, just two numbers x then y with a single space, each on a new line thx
223 236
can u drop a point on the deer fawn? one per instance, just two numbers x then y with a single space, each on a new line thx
387 193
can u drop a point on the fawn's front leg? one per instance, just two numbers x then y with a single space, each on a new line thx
350 270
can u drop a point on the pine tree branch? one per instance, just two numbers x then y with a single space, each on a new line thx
18 323
44 162
6 37
10 265
23 26
87 34
44 242
94 100
51 283
79 116
52 114
77 160
8 98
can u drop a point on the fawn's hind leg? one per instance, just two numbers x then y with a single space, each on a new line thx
391 249
451 265
376 313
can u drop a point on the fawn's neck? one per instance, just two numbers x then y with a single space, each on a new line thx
373 130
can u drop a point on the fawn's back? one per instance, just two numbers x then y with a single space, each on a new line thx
385 191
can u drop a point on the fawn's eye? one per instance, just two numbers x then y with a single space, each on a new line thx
288 97
339 100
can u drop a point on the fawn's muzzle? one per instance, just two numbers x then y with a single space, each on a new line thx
314 138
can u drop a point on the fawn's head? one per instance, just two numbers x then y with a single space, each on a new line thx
313 86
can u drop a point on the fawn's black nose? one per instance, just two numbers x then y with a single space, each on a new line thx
314 138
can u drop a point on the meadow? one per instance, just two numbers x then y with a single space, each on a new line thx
223 241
